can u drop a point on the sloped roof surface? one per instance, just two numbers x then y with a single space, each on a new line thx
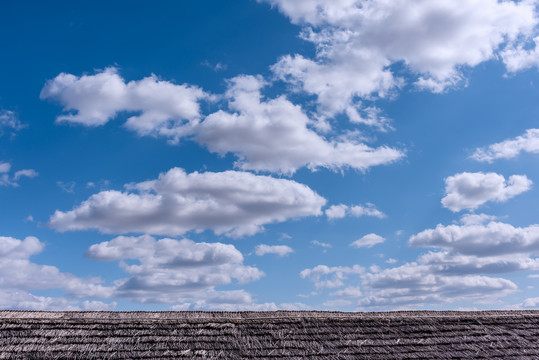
269 335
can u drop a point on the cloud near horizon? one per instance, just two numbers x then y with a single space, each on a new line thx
19 277
176 271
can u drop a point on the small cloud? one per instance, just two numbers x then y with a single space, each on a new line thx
29 173
340 211
321 244
368 241
510 148
391 261
217 67
68 187
9 121
6 180
476 219
284 236
29 218
471 190
312 293
279 250
4 167
337 303
348 292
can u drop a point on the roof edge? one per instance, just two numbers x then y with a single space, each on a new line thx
242 315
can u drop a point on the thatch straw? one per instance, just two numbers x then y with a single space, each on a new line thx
269 335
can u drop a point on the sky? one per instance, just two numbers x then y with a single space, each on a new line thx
343 155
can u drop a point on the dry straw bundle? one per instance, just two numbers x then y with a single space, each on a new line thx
269 335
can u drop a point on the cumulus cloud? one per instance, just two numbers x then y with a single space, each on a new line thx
511 148
265 134
274 135
161 108
450 263
492 239
460 268
470 190
325 276
279 250
529 303
172 271
19 276
340 211
368 241
17 300
415 285
518 57
231 203
357 43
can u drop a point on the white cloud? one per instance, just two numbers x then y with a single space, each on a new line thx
368 241
490 239
266 135
19 276
321 244
336 211
5 167
457 271
448 263
325 276
470 190
357 42
337 303
274 135
172 271
68 186
340 211
508 149
253 306
29 173
163 108
517 57
20 300
7 180
415 285
9 121
349 292
231 203
530 303
476 219
280 250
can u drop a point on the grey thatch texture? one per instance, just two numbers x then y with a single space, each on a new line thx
269 335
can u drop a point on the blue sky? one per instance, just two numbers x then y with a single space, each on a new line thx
258 155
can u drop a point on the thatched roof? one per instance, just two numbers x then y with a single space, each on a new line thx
269 335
